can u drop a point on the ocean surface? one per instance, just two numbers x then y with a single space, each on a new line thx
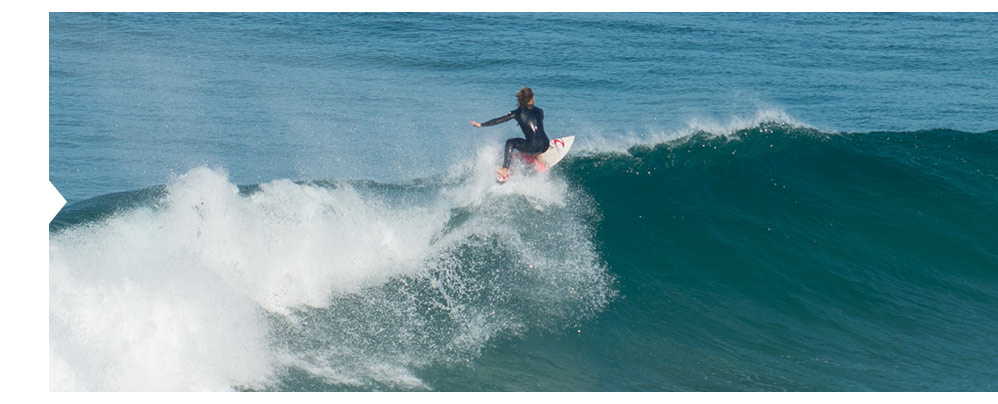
296 202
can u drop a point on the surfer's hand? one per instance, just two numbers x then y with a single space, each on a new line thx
476 124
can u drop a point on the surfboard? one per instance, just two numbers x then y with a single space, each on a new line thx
556 151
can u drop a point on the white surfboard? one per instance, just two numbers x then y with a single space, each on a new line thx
557 150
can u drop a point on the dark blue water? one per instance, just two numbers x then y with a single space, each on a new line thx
297 202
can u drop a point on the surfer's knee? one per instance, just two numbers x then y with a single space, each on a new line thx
515 143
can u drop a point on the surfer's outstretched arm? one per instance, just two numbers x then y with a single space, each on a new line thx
496 121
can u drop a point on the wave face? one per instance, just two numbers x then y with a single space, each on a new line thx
780 257
776 257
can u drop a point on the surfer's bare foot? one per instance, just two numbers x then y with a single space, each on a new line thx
502 174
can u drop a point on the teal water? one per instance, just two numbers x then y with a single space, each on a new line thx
756 202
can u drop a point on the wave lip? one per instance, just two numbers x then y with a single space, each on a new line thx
732 128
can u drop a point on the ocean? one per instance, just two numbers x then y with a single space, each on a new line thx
297 202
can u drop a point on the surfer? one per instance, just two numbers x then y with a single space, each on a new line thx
531 121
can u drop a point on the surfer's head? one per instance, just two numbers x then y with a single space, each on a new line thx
525 97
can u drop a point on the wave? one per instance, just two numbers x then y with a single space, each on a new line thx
201 284
353 283
796 259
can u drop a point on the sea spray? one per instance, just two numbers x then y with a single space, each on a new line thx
355 284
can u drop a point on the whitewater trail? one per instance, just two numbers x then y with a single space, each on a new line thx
218 277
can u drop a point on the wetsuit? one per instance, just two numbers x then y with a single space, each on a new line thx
531 121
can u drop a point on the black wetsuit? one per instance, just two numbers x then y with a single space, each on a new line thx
531 121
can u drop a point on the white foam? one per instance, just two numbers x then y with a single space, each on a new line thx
181 296
126 316
539 188
167 299
293 245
